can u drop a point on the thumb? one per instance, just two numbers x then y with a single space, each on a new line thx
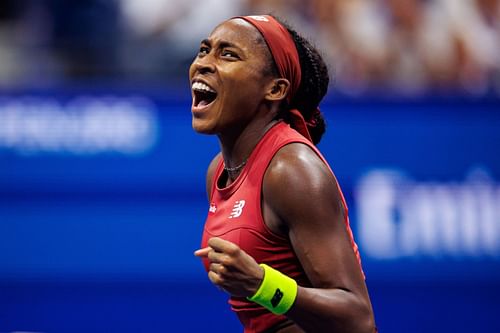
203 252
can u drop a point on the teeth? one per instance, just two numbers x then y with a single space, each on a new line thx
202 87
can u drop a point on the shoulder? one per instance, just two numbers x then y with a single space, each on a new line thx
298 181
211 172
299 165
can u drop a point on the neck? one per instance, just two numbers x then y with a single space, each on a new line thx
236 148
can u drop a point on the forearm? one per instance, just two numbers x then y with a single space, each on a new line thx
331 310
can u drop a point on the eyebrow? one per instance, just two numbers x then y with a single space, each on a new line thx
222 44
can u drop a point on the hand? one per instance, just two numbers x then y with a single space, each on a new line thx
231 268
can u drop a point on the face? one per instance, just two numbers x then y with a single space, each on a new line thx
228 80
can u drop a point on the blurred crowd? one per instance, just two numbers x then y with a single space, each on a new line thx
405 46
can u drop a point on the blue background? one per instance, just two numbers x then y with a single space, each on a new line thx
104 242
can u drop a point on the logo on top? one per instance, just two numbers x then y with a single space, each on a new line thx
213 208
259 18
237 209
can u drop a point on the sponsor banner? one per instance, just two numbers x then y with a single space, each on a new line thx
422 180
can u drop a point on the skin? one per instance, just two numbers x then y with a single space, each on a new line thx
231 61
247 102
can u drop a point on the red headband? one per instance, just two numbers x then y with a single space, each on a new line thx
286 58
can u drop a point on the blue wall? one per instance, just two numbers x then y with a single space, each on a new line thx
99 217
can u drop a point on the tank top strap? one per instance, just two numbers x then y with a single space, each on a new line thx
218 170
276 138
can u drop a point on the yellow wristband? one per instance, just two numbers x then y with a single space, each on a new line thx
277 292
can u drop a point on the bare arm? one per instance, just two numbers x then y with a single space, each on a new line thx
210 174
312 214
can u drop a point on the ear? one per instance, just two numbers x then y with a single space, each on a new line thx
277 89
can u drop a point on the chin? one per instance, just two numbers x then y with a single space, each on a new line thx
202 127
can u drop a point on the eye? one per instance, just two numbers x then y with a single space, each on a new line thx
229 54
204 50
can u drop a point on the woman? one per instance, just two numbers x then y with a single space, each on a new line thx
277 236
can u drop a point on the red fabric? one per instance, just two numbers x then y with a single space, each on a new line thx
282 49
246 227
286 57
299 123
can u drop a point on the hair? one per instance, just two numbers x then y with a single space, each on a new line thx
313 86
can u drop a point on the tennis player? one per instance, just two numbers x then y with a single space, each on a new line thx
277 236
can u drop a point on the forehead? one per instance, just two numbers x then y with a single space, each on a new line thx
238 32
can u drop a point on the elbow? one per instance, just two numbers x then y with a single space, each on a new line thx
358 318
369 325
367 319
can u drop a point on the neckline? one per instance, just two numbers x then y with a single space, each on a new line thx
231 188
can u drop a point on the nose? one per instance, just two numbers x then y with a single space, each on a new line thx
203 64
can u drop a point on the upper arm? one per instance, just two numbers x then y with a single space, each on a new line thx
210 174
312 212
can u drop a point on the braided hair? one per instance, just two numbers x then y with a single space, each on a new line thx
313 86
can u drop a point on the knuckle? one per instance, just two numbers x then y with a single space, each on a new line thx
212 255
227 261
217 268
218 280
233 249
213 277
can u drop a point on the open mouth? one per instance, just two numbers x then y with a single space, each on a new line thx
203 94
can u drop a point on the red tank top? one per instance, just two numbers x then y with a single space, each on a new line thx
235 215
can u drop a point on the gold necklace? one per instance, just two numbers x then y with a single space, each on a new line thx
236 168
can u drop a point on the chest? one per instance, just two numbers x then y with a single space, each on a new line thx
239 219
